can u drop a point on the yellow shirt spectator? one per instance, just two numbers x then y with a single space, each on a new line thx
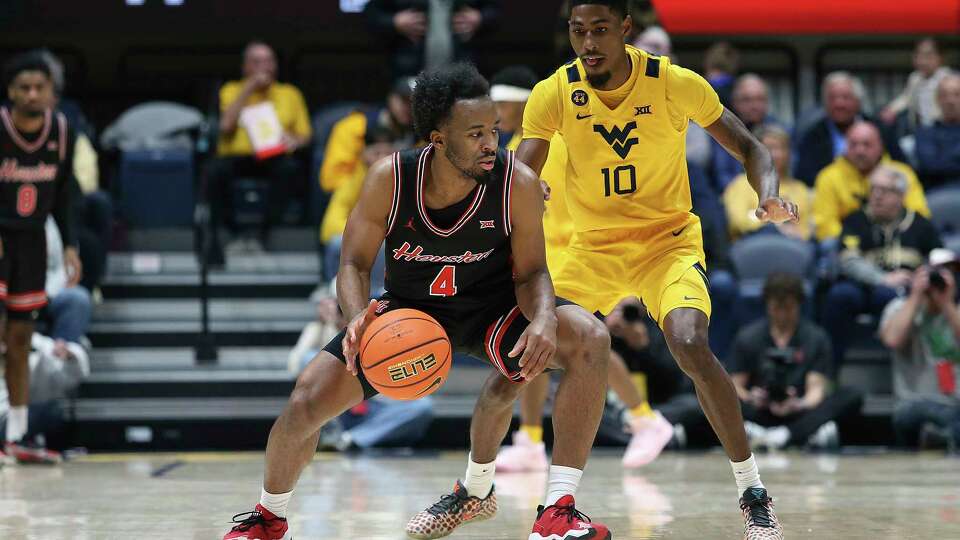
288 102
341 159
841 189
341 204
741 202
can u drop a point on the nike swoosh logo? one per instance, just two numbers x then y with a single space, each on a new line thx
430 388
680 231
583 117
690 298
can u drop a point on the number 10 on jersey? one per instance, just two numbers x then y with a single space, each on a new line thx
622 180
445 284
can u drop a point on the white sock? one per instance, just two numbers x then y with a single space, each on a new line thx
276 503
16 423
562 481
479 478
777 437
746 474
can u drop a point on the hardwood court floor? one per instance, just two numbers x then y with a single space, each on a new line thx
683 496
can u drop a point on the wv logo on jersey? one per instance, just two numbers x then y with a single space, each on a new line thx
618 138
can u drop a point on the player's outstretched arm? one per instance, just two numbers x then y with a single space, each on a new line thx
365 230
534 288
730 132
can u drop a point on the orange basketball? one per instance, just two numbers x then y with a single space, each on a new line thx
405 354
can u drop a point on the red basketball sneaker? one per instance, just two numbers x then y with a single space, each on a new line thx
29 453
562 521
259 525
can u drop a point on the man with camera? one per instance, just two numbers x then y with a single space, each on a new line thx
781 367
881 245
923 330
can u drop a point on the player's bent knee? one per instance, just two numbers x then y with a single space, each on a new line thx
691 349
499 391
323 390
589 345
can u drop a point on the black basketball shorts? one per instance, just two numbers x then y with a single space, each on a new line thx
489 334
23 272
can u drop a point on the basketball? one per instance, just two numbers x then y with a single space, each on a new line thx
405 354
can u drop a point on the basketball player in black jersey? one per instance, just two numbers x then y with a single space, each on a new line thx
463 226
36 180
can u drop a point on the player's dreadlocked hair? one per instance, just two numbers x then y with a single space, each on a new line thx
622 7
436 92
28 61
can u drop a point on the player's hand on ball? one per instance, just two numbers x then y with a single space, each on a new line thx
351 340
538 343
777 210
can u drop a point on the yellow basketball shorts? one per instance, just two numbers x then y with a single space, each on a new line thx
665 268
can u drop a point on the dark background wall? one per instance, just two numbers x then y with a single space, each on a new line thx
118 55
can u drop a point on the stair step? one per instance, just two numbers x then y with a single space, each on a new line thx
188 310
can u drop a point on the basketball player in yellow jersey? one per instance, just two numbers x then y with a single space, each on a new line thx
510 90
623 115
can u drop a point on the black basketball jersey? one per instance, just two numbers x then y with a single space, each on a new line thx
457 269
35 174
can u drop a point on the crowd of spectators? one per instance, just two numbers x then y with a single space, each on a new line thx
860 181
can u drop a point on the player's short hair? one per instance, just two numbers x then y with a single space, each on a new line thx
622 7
28 61
780 286
438 90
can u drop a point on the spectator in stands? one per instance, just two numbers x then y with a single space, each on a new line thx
882 244
919 97
751 103
379 421
721 63
923 330
94 208
70 308
57 368
825 140
843 186
741 202
345 147
782 367
938 146
655 40
510 88
242 113
425 34
378 144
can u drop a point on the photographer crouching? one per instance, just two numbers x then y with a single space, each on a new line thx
923 331
782 368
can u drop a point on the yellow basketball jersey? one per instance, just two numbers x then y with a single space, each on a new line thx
557 226
626 166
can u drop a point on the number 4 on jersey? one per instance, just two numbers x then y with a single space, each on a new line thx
445 284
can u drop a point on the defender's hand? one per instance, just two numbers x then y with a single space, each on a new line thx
355 330
777 210
538 343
